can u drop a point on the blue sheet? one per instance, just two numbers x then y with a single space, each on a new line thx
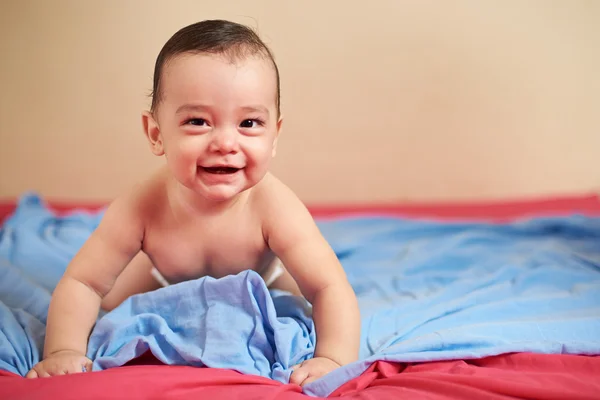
427 291
231 323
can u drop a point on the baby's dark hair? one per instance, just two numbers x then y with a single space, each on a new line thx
226 38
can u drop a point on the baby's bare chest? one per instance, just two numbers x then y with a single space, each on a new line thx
223 247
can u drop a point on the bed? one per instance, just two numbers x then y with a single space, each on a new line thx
479 301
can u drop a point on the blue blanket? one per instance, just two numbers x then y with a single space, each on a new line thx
427 291
231 323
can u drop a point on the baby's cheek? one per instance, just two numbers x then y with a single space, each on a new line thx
182 160
189 150
258 171
260 148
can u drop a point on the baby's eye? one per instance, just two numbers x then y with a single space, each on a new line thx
196 121
251 123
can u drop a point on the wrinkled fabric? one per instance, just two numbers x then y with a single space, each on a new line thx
427 291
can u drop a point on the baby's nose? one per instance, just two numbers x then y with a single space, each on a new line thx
225 141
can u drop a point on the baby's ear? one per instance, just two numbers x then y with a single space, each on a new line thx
152 131
279 123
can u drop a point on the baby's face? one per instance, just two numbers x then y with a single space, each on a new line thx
218 122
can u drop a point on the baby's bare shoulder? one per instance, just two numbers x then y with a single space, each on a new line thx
151 194
272 192
141 200
277 203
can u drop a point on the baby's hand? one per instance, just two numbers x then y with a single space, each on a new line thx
61 363
311 370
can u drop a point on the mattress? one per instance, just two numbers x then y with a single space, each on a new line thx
475 300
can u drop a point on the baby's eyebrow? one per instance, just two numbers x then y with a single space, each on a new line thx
261 109
201 107
191 107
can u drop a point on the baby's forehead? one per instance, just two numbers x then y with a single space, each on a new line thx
194 72
212 62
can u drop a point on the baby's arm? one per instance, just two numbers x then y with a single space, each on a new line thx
89 276
294 237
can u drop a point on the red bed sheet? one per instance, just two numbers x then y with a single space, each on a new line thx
523 375
519 376
588 204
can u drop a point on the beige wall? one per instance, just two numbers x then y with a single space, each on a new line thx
384 100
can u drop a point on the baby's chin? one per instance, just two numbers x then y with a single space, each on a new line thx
220 193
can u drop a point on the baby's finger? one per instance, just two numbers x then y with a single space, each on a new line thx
76 367
32 374
309 380
87 366
43 374
298 376
295 367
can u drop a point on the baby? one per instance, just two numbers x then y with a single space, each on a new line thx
212 210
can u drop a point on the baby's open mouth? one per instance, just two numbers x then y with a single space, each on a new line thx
221 170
